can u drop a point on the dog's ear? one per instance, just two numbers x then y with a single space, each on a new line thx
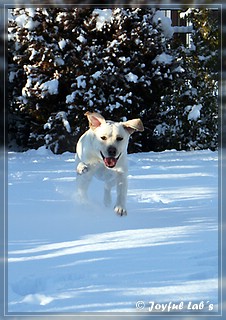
133 125
95 119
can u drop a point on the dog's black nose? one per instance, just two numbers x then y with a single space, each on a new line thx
112 151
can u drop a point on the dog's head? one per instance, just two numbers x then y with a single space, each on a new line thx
111 138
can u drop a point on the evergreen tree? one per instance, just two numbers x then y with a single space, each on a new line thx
64 62
122 63
190 114
205 60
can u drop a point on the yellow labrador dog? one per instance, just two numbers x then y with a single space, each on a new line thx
102 152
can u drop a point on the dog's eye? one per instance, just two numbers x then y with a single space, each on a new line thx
119 138
103 138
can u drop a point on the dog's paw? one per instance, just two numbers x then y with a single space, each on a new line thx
120 211
82 168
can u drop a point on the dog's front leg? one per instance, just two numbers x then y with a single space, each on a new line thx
84 176
82 168
120 207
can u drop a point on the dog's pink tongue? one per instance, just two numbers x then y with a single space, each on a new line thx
110 162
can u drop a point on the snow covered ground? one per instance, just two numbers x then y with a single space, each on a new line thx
64 257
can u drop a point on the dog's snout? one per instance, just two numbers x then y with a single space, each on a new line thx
112 151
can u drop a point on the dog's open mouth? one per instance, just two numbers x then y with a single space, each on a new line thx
109 162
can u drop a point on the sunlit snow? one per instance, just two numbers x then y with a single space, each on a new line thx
67 257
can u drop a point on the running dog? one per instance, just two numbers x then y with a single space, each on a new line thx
102 152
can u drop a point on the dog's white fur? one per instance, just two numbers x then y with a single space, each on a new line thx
102 151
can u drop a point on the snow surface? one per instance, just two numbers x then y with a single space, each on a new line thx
81 82
131 77
194 113
103 16
82 39
65 257
166 23
62 44
163 58
63 116
50 86
26 22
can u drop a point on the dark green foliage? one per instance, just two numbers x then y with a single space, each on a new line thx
64 62
196 87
